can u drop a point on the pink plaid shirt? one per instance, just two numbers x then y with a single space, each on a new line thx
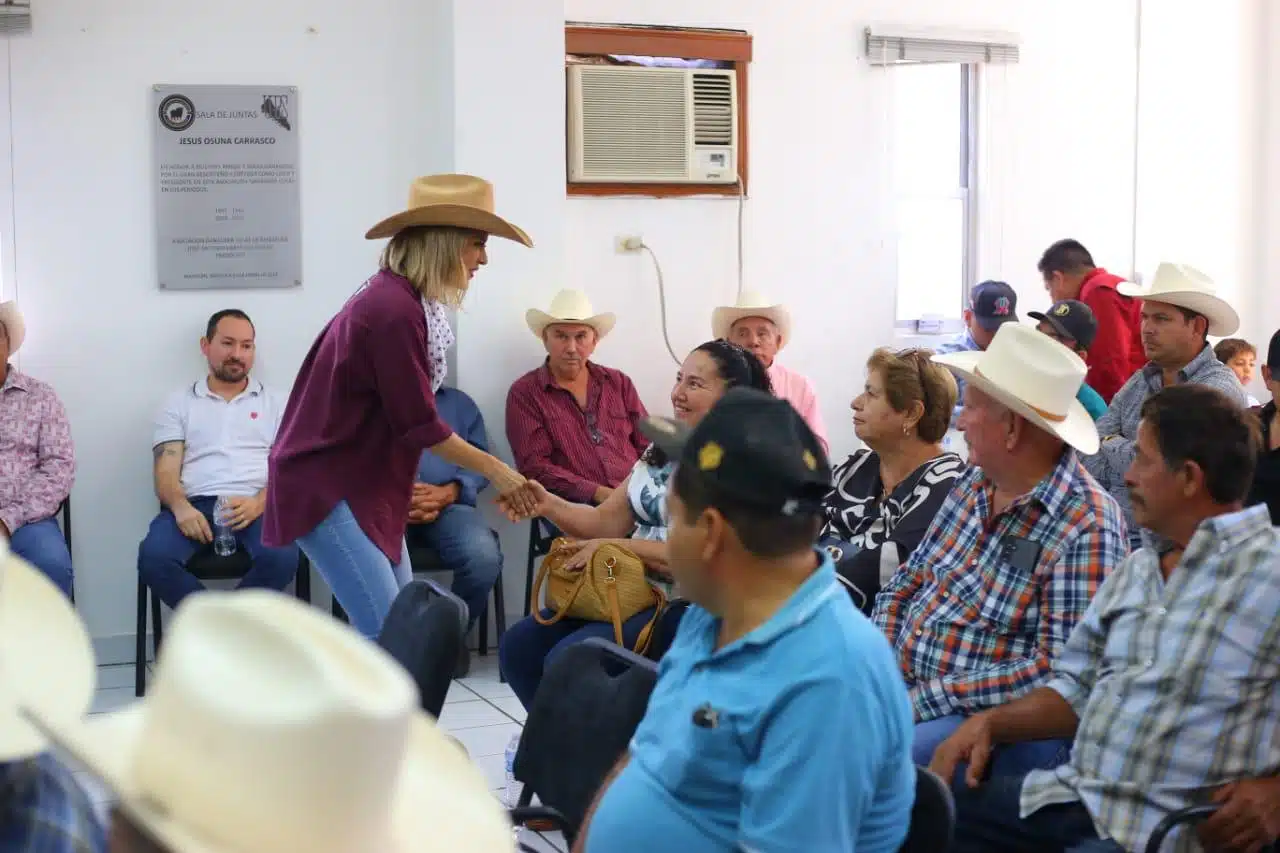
37 459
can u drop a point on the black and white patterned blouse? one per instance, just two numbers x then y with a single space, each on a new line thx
857 515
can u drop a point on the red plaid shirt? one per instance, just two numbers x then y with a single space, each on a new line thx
970 629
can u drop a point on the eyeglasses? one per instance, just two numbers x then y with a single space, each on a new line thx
593 430
921 358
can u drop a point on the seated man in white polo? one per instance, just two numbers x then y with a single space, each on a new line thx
765 329
212 439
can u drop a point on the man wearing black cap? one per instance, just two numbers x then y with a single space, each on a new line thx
991 305
1071 323
779 721
1266 477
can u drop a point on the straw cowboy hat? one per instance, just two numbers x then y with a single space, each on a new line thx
272 727
11 319
751 304
1187 287
569 306
46 657
1033 375
457 201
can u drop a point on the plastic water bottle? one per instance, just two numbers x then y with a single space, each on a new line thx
224 540
511 797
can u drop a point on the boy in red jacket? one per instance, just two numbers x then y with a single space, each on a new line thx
1070 273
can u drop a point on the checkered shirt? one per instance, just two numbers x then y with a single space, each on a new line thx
43 809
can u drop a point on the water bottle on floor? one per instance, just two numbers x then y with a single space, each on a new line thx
224 539
511 797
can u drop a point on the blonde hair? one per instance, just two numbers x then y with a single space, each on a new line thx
909 377
431 258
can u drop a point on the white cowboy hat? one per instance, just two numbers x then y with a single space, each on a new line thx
569 306
11 319
1033 375
751 304
1187 287
272 727
46 657
457 201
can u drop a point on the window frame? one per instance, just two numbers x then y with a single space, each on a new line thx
967 190
732 46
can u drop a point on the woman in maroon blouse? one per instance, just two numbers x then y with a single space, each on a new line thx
363 409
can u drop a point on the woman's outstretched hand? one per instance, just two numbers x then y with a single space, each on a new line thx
527 501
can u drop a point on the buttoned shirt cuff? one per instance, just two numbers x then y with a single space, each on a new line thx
1071 692
930 700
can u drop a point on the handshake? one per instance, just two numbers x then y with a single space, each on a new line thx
522 499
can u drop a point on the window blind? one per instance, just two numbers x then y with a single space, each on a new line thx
898 47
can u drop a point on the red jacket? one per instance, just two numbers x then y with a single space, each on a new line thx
1116 353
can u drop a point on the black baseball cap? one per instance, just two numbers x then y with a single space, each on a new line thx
751 448
1072 319
993 303
1273 353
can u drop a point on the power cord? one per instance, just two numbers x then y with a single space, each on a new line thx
662 302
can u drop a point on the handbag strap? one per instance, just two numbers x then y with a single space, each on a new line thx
543 571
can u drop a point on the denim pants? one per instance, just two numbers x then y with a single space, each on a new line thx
361 577
987 822
1007 760
467 547
528 647
41 544
163 556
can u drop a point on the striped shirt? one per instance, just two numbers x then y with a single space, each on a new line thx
1119 426
1176 682
973 627
44 810
570 450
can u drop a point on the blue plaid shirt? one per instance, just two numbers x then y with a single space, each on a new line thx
45 810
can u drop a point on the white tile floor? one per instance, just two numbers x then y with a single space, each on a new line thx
480 711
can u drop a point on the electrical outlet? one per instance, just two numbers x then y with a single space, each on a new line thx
628 243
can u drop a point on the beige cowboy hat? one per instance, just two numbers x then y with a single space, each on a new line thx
272 727
1033 375
11 319
457 201
1187 287
46 658
569 306
751 304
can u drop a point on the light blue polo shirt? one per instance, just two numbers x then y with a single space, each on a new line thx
805 743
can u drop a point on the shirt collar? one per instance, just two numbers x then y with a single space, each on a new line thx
808 598
1192 369
16 379
1227 532
1053 490
200 388
549 380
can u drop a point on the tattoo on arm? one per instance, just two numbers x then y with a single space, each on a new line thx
168 448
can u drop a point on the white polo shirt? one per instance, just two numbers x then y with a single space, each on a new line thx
227 441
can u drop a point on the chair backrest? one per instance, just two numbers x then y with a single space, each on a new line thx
933 816
423 632
589 703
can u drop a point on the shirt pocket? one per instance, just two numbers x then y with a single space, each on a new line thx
1005 597
703 766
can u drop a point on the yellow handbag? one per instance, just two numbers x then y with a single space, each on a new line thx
611 588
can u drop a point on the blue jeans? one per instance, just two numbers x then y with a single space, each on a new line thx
527 647
1013 759
468 548
363 580
163 556
41 544
987 822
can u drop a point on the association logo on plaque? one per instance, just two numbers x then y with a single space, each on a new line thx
228 206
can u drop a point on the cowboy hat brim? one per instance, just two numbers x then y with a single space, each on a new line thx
46 657
1223 319
442 799
723 318
1076 429
450 216
539 321
15 327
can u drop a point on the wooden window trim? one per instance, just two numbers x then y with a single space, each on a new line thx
720 45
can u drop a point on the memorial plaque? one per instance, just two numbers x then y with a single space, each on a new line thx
228 206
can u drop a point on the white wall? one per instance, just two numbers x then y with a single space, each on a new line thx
392 88
817 229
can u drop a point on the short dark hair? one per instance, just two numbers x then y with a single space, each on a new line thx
1200 424
1228 348
219 316
1066 256
764 533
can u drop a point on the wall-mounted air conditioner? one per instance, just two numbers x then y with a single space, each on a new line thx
630 124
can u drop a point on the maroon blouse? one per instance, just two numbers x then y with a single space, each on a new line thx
360 414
